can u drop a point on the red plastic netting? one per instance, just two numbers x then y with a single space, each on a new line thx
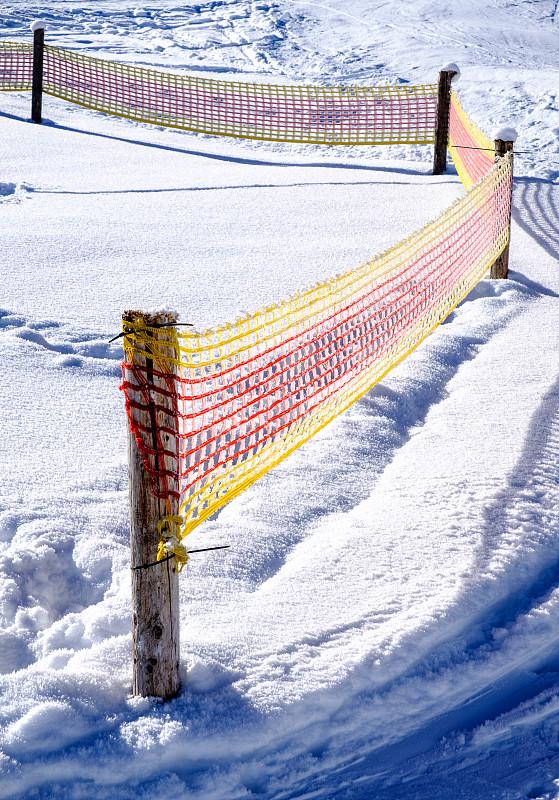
329 115
16 66
230 403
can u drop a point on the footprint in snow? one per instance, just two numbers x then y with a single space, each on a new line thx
14 192
68 355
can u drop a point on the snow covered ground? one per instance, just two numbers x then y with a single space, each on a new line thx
386 621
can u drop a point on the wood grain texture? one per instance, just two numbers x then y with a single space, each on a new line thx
500 267
443 117
155 591
37 82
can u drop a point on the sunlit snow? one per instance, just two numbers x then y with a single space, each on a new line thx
385 623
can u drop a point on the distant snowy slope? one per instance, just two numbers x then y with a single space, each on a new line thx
386 622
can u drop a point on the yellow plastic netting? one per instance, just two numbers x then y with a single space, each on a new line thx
213 411
237 399
321 115
16 66
472 151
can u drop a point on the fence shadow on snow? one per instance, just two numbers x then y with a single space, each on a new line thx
536 211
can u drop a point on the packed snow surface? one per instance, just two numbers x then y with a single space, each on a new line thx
385 623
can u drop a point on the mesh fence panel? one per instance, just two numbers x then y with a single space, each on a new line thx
472 152
247 394
16 66
320 115
236 400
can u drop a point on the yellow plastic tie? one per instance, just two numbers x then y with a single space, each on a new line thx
169 542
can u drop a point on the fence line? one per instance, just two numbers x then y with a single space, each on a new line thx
319 115
247 394
308 114
210 412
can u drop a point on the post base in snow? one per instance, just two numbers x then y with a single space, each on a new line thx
500 267
155 591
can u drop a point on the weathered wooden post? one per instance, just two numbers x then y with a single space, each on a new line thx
504 143
443 117
38 29
155 591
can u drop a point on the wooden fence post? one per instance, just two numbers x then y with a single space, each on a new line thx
155 589
443 117
500 267
38 29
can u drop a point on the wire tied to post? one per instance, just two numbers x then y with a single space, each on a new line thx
169 529
492 149
128 331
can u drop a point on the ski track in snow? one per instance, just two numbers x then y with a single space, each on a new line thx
392 630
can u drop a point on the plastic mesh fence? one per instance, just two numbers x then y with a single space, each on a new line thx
334 115
213 411
471 162
16 66
238 399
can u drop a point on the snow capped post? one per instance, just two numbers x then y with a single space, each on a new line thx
443 116
155 588
504 143
38 29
